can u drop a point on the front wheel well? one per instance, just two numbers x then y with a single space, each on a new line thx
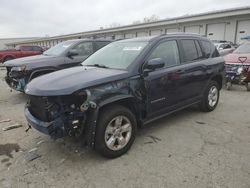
218 79
128 103
8 57
40 73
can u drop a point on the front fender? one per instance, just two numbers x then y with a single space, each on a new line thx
115 99
92 116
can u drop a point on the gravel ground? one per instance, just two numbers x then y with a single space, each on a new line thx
186 149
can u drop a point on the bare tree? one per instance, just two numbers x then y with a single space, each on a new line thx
152 18
115 24
136 22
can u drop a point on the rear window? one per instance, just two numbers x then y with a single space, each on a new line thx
206 47
198 47
189 50
36 48
26 48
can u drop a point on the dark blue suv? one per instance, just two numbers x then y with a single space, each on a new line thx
123 86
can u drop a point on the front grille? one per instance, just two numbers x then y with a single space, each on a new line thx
39 106
49 108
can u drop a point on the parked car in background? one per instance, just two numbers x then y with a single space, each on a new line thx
45 48
224 48
238 66
123 86
64 55
20 51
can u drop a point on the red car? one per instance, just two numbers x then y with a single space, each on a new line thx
238 66
20 51
241 54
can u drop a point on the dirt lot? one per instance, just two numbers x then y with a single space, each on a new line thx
187 149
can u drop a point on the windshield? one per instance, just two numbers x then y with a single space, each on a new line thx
117 55
243 49
59 48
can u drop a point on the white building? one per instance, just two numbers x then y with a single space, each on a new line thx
230 25
4 41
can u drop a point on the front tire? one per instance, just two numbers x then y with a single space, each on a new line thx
210 97
116 131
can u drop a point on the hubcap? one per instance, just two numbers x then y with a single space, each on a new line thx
118 133
212 96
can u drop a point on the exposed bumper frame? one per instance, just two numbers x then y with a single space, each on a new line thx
55 128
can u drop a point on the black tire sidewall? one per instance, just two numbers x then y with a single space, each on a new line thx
107 114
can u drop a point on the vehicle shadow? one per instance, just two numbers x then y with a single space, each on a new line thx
74 150
167 121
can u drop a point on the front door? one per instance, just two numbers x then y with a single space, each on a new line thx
84 50
163 84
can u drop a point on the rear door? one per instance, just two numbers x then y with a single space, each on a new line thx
26 51
37 50
193 65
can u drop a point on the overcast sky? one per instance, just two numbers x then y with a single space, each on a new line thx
26 18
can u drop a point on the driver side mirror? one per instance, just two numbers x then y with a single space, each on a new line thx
153 64
72 53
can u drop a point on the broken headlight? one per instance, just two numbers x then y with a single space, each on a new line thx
19 69
86 103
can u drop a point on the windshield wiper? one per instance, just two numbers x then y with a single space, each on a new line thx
98 65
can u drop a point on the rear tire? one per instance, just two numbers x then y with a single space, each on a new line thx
210 97
115 132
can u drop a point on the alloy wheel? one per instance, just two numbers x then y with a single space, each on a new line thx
213 96
118 133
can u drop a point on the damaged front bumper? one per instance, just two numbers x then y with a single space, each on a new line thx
16 84
17 80
55 128
59 116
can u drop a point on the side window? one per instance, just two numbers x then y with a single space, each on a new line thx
26 48
206 48
168 51
36 49
227 46
189 50
101 44
214 50
84 49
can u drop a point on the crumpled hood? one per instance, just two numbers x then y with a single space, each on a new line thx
67 81
235 58
30 62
